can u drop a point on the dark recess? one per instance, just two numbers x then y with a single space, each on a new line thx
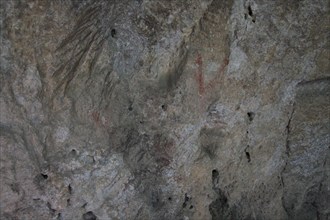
215 176
219 208
89 216
251 116
113 33
247 154
250 11
59 216
164 107
186 200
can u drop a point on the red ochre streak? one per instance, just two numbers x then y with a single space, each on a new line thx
200 75
219 76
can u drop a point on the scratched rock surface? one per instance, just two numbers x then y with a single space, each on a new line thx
152 109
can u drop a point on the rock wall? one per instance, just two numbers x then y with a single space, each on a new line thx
152 109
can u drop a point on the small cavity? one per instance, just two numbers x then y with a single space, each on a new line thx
59 216
89 216
113 33
74 152
186 200
247 154
215 174
251 116
49 206
45 176
250 11
164 107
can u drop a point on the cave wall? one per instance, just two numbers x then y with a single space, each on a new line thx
151 109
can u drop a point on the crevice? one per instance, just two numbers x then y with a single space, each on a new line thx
313 81
250 11
49 206
287 152
247 154
288 130
186 200
70 189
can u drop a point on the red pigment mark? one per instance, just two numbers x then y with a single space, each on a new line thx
96 117
163 151
200 75
219 76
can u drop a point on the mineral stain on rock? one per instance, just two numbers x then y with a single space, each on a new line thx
196 109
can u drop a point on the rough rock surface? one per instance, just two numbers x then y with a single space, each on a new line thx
154 109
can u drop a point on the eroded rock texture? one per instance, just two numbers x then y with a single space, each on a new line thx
153 109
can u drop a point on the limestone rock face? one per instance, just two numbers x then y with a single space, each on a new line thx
153 109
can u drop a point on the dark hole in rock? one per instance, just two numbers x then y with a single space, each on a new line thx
191 207
164 107
215 176
250 11
247 154
89 216
73 151
186 199
251 115
45 176
59 216
130 108
68 202
169 198
113 33
70 188
50 208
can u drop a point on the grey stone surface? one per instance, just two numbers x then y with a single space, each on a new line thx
151 109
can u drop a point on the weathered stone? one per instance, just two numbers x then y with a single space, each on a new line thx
140 109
